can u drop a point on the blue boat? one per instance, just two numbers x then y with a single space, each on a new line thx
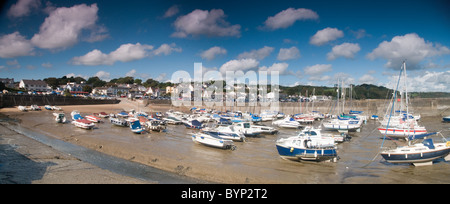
309 145
419 154
136 127
446 119
194 124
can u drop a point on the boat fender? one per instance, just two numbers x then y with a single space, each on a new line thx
292 149
447 144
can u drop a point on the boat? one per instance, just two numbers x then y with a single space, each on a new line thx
402 131
343 124
83 123
446 119
287 122
56 108
226 132
172 120
247 129
267 115
35 108
418 154
103 115
156 125
304 118
122 114
22 108
136 127
213 140
48 107
308 145
60 117
118 121
93 118
193 124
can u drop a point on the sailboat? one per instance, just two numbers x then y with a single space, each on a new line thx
418 154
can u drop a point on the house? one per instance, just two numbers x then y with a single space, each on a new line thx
8 82
34 85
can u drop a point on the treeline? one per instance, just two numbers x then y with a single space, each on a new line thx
363 91
97 82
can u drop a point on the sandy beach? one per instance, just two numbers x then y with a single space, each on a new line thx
254 161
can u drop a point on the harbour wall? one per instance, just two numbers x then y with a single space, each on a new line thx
422 106
54 100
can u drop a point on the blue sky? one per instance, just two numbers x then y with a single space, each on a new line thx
308 42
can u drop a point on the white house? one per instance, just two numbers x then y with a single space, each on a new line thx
34 85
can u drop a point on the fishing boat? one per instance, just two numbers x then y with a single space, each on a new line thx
118 121
287 122
225 132
93 118
418 154
213 140
308 145
60 117
136 127
83 123
446 119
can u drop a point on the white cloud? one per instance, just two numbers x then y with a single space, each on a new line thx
318 69
172 11
347 50
125 53
281 68
288 53
410 47
204 22
15 45
241 64
47 65
288 17
367 79
212 52
424 81
23 8
105 76
166 49
257 54
326 35
63 27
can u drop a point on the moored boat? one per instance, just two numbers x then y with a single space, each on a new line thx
60 117
136 127
446 119
93 118
213 140
83 123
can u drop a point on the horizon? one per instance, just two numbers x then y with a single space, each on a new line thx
308 42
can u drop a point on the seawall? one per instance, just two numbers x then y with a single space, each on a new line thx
41 100
422 106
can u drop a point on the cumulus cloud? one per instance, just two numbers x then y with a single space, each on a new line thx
105 76
258 54
424 81
281 68
64 26
347 50
410 47
15 45
288 17
288 53
326 35
125 53
367 79
318 69
240 64
212 52
172 11
23 8
166 49
203 22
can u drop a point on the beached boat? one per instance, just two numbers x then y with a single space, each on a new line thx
60 117
213 140
83 123
193 124
225 132
93 118
136 127
287 122
172 120
48 107
446 119
418 154
307 145
118 122
156 125
103 115
35 108
304 118
22 108
268 115
342 124
247 128
56 108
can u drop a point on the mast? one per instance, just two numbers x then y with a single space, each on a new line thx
406 91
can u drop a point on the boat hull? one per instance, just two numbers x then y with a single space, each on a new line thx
446 119
417 157
297 154
213 142
402 133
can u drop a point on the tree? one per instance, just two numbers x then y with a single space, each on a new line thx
87 89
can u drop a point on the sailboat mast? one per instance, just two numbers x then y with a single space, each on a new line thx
406 90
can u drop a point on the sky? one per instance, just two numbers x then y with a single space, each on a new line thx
308 42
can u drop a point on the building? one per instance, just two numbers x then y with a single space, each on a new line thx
8 82
34 85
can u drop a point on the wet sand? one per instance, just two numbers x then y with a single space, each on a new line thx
254 161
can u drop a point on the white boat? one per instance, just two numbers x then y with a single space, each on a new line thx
118 122
287 122
446 119
22 108
48 107
343 124
93 118
256 129
156 125
225 132
56 108
213 140
268 115
35 108
172 120
74 113
83 123
136 127
60 117
307 145
418 154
